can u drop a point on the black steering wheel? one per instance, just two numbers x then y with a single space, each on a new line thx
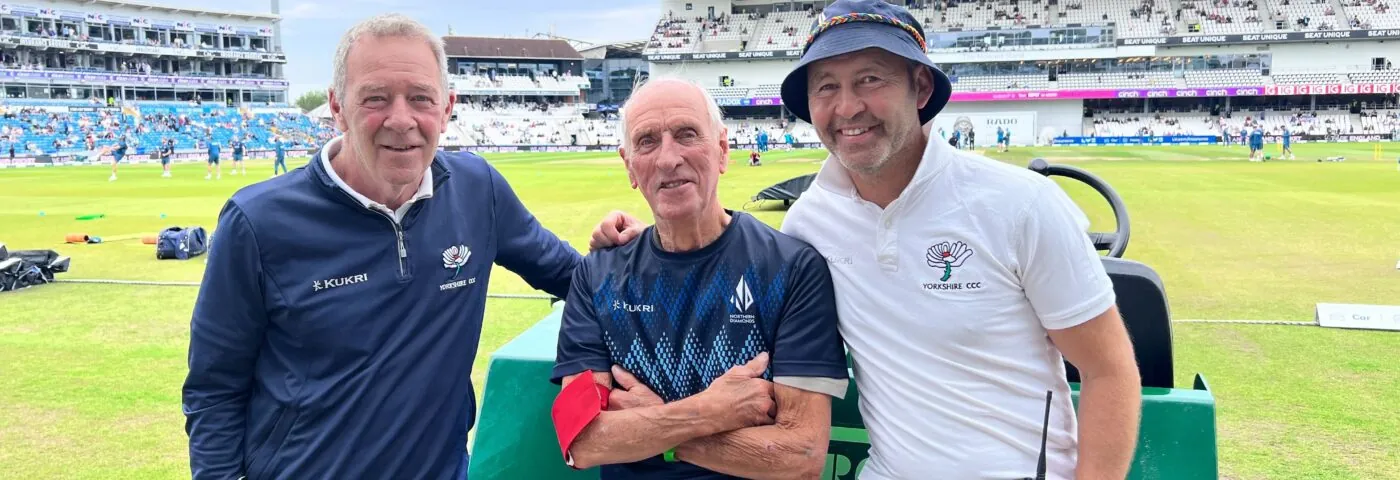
1115 242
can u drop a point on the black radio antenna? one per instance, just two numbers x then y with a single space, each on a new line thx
1044 431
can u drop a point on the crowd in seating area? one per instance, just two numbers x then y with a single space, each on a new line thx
51 128
487 121
524 82
1273 123
745 30
1380 121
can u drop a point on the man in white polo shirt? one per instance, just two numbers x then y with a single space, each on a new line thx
962 283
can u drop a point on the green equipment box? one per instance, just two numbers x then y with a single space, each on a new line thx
515 436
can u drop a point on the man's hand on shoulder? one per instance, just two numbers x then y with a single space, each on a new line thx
617 229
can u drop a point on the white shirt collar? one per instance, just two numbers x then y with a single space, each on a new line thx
425 188
834 177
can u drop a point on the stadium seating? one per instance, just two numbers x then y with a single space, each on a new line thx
1306 15
1380 121
1135 18
1201 123
1154 79
1371 14
1132 18
1308 78
783 31
674 34
1214 17
982 83
1379 76
31 129
1001 13
1224 77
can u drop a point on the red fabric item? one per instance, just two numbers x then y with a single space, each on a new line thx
576 406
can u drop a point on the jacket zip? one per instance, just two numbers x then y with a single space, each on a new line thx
403 252
398 235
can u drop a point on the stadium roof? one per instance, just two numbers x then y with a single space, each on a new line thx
495 47
173 8
616 50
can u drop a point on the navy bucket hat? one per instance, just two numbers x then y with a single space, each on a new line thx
851 25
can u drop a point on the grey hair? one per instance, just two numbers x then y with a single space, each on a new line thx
387 25
711 105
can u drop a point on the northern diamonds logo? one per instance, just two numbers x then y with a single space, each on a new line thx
947 257
455 257
319 285
743 299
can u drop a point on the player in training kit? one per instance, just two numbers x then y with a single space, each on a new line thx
237 145
117 155
167 149
1256 144
1287 145
280 146
213 168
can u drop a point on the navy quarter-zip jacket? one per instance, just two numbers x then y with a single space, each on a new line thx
328 341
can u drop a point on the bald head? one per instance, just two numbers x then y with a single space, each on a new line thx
662 92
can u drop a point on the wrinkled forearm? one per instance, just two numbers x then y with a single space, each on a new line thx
767 452
637 434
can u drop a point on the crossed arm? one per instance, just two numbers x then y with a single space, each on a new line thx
794 446
638 425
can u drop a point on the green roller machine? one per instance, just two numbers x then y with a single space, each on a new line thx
1177 438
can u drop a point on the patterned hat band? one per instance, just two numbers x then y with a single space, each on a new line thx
863 17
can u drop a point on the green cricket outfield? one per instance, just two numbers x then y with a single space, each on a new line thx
90 374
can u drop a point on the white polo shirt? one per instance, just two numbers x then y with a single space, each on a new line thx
425 188
944 300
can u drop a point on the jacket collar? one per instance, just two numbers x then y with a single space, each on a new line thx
320 167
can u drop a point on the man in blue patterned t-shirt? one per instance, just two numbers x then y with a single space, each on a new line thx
700 328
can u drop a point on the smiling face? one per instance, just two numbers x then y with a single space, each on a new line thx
865 105
675 151
393 108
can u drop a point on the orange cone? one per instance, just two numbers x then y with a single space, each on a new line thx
76 238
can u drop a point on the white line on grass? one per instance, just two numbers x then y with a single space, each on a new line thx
1250 322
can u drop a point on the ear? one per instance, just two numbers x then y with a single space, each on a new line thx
723 149
923 86
447 113
627 164
337 114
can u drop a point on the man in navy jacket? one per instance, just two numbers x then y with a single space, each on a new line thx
339 316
